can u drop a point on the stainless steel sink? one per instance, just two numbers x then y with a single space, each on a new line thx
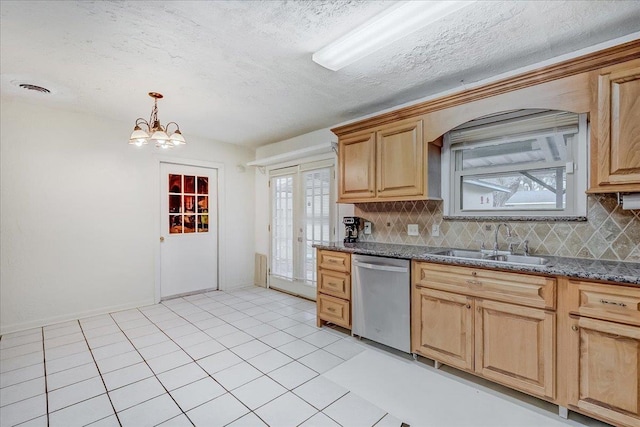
518 259
488 256
455 253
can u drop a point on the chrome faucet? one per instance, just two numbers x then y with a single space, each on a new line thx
495 245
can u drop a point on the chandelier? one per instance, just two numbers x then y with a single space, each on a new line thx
153 130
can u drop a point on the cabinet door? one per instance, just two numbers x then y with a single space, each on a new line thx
357 167
400 160
618 147
442 327
516 346
604 373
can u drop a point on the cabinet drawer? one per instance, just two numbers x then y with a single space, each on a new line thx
606 302
523 289
334 283
336 261
334 310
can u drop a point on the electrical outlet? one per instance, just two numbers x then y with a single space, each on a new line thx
367 227
435 230
412 230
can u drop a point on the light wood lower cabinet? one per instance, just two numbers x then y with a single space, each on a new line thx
443 327
334 310
512 344
516 346
333 300
605 370
603 347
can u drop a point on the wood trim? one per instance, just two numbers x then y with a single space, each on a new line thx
582 64
563 343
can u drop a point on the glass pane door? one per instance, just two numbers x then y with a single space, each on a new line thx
282 232
317 217
302 214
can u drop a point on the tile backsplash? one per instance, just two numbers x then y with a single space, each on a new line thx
609 233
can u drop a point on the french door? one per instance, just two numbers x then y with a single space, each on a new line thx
303 213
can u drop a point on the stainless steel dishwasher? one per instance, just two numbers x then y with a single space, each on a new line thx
381 300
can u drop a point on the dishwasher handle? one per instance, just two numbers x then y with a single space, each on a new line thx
381 267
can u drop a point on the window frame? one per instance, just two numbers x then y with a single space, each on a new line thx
576 170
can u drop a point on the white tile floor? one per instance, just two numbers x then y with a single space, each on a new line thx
249 357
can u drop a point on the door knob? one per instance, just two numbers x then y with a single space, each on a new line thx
162 238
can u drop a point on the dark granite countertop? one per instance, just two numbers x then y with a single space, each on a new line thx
612 271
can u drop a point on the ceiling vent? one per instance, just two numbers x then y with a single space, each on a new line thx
34 87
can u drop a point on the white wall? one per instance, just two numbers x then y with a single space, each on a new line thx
318 137
79 215
321 136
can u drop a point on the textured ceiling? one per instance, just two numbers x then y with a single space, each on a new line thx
241 71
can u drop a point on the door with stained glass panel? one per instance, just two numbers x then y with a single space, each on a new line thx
303 214
189 232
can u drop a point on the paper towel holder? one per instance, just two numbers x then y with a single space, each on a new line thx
620 197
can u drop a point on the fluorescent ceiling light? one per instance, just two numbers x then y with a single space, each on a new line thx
394 23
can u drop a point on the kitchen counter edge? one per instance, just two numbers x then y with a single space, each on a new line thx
580 268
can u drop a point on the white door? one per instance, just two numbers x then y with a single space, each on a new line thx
189 229
303 213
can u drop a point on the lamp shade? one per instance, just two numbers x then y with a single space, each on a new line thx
161 138
177 138
138 137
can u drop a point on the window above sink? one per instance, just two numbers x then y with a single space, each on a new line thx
525 163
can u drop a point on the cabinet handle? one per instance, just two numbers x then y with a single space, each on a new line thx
474 273
474 282
468 305
620 304
332 261
331 309
574 327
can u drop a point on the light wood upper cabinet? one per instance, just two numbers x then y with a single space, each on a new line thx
399 159
516 346
388 163
357 168
615 149
605 370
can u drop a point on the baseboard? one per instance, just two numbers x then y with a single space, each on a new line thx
237 286
186 294
17 327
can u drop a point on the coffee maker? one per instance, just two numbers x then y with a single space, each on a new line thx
351 228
